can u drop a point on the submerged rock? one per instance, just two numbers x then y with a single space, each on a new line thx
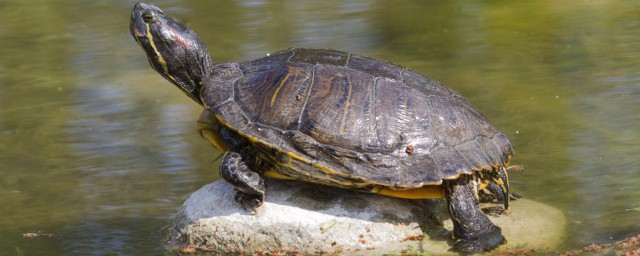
299 217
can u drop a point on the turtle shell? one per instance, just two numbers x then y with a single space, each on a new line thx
346 120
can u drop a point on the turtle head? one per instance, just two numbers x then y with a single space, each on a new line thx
174 50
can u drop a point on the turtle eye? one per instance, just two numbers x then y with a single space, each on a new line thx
148 17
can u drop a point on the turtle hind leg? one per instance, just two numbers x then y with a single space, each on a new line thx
497 190
235 169
472 230
502 180
492 193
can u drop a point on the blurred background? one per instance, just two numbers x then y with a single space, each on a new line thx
100 151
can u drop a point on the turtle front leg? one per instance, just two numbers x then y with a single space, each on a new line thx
472 230
248 183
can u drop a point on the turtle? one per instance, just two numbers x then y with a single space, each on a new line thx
338 119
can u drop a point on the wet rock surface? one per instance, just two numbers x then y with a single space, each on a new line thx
303 218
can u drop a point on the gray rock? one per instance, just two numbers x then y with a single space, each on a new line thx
304 218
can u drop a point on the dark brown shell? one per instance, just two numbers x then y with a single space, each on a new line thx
365 120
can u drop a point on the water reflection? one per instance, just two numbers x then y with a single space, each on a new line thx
101 151
133 147
607 166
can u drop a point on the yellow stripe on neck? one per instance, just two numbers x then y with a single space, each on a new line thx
163 63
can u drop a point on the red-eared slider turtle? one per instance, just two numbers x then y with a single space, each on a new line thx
337 119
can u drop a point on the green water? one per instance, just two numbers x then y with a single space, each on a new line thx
98 150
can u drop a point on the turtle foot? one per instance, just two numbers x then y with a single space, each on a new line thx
480 243
249 202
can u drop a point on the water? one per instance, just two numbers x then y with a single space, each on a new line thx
100 151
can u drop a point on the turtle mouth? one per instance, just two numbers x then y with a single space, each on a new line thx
136 31
137 26
142 16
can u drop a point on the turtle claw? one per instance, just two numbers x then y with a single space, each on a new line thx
480 243
249 202
514 196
